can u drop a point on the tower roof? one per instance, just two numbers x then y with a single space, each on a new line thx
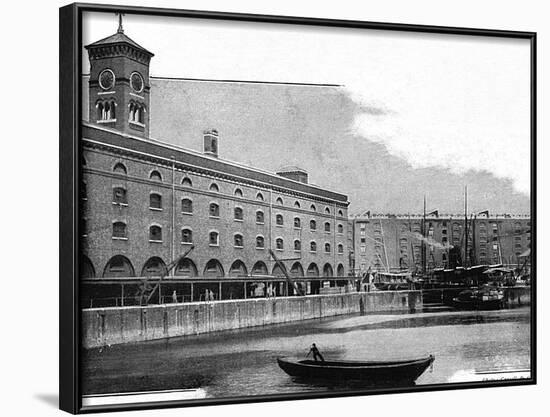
117 39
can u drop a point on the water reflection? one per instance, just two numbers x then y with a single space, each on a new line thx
244 362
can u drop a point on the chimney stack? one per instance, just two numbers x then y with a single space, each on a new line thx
211 142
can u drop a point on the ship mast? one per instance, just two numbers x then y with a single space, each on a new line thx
465 226
423 238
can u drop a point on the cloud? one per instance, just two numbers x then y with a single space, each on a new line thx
439 132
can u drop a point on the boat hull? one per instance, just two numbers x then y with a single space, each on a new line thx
371 372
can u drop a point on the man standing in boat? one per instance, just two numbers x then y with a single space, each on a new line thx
316 353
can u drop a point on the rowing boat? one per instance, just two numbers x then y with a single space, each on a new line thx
370 371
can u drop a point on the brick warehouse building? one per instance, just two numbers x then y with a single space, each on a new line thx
146 202
392 242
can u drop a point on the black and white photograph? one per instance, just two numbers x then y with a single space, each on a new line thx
275 210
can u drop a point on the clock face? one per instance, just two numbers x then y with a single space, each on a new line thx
106 79
136 81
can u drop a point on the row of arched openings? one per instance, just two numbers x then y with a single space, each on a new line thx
120 266
136 112
106 109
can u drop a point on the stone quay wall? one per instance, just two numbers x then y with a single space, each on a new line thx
116 325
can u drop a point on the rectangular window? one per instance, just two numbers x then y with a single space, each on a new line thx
260 217
238 213
186 206
155 201
214 210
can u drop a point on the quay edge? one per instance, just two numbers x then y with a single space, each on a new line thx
117 325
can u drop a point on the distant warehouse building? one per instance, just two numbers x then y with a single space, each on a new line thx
147 202
388 242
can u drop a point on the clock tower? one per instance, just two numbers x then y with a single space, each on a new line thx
119 84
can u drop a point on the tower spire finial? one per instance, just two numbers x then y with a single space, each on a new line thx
120 29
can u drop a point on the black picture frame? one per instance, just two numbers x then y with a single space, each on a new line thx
70 43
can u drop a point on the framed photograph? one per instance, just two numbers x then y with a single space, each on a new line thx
259 208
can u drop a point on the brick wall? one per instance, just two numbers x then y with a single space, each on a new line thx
100 213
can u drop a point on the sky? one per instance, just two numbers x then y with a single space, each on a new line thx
414 114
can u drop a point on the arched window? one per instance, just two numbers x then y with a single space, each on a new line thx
296 270
260 217
119 230
238 192
120 196
340 213
106 110
136 113
238 213
297 204
327 247
313 246
155 201
259 268
186 206
313 208
340 228
213 269
118 266
340 270
260 242
186 182
279 201
297 245
238 269
214 210
279 220
141 114
214 238
340 248
86 268
155 176
214 188
327 210
279 244
186 268
238 240
327 226
312 270
120 168
154 267
260 197
99 107
186 235
297 223
313 225
155 234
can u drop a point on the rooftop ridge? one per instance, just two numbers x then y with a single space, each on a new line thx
441 216
246 81
179 148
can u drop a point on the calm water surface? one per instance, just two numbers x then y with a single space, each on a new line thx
243 362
